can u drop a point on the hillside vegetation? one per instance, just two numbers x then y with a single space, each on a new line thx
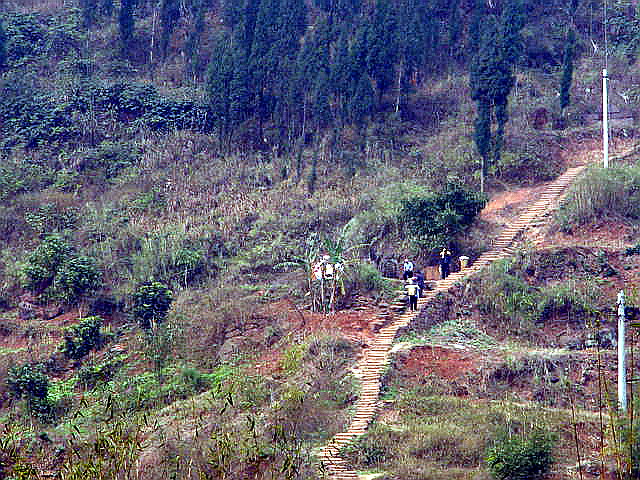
169 170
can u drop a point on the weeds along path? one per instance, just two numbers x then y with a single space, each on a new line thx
376 358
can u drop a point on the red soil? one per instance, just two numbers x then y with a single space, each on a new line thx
450 364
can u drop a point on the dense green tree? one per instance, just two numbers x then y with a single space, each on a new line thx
482 137
169 16
192 45
292 23
567 69
247 24
90 12
410 39
512 21
341 11
106 8
455 28
240 91
340 74
276 40
151 302
358 53
127 25
219 79
478 17
363 100
3 47
492 80
321 92
75 278
381 46
80 339
264 59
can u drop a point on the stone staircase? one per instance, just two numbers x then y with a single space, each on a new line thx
376 358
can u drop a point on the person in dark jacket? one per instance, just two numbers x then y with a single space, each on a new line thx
445 262
420 281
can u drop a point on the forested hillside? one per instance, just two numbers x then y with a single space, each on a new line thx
171 170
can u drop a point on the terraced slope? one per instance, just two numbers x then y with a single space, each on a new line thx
377 356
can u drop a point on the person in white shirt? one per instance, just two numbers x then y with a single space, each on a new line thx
412 291
407 269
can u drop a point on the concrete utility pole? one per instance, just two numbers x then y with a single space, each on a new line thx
605 119
622 366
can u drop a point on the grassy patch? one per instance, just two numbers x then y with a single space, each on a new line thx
602 193
461 331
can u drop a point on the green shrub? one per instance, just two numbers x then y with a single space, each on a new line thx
109 159
55 268
32 118
75 278
82 338
507 297
28 380
434 220
21 174
569 299
94 374
31 382
43 263
518 457
151 302
49 218
293 357
26 36
189 263
175 259
369 277
528 167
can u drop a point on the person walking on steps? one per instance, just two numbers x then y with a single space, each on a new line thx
445 262
412 291
407 269
419 277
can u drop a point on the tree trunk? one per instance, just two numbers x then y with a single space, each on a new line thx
400 68
153 35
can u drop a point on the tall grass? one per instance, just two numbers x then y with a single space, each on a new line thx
614 192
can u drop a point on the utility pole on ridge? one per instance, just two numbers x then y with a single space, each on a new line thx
605 119
622 367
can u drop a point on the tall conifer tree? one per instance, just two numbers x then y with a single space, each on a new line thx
478 16
3 48
240 92
89 12
169 16
219 79
127 25
363 100
567 70
381 45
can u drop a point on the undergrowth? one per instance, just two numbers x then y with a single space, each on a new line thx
602 193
